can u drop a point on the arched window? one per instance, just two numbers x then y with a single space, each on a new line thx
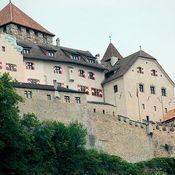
140 70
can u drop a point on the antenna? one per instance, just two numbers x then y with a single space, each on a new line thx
140 50
110 39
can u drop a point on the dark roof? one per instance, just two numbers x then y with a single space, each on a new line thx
123 65
62 54
43 87
111 51
12 14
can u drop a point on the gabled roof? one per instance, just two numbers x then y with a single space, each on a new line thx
123 65
111 51
12 14
36 53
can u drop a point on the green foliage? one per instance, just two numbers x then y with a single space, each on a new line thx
31 147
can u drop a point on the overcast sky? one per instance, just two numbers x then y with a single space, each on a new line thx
87 25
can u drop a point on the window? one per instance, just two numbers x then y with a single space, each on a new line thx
143 105
152 90
0 65
4 29
11 67
155 109
140 70
75 57
57 70
83 89
163 92
19 28
49 97
115 88
166 110
50 53
33 81
28 94
3 48
30 66
153 72
91 61
36 33
103 111
26 51
97 92
67 99
94 110
91 76
77 100
141 87
82 73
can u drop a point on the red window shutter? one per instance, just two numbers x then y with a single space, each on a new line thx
54 71
78 87
93 76
27 66
7 66
0 65
100 93
60 71
87 90
33 66
15 67
84 75
92 89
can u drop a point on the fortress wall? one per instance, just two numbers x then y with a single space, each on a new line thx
115 135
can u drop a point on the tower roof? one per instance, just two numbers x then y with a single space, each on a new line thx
111 51
12 14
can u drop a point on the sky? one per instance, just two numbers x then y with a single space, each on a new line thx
87 25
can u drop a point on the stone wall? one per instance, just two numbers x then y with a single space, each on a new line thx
28 34
117 135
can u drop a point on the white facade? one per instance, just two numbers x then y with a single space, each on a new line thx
43 71
135 104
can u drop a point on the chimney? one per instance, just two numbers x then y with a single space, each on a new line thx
113 60
58 42
97 56
55 84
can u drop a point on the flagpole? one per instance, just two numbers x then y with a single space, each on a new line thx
138 101
162 107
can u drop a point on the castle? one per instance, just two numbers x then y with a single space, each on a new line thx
115 98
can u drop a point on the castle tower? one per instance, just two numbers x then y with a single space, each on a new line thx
15 22
111 56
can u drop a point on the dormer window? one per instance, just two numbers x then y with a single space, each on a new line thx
91 76
57 70
140 70
50 53
26 51
91 61
82 73
153 72
75 57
